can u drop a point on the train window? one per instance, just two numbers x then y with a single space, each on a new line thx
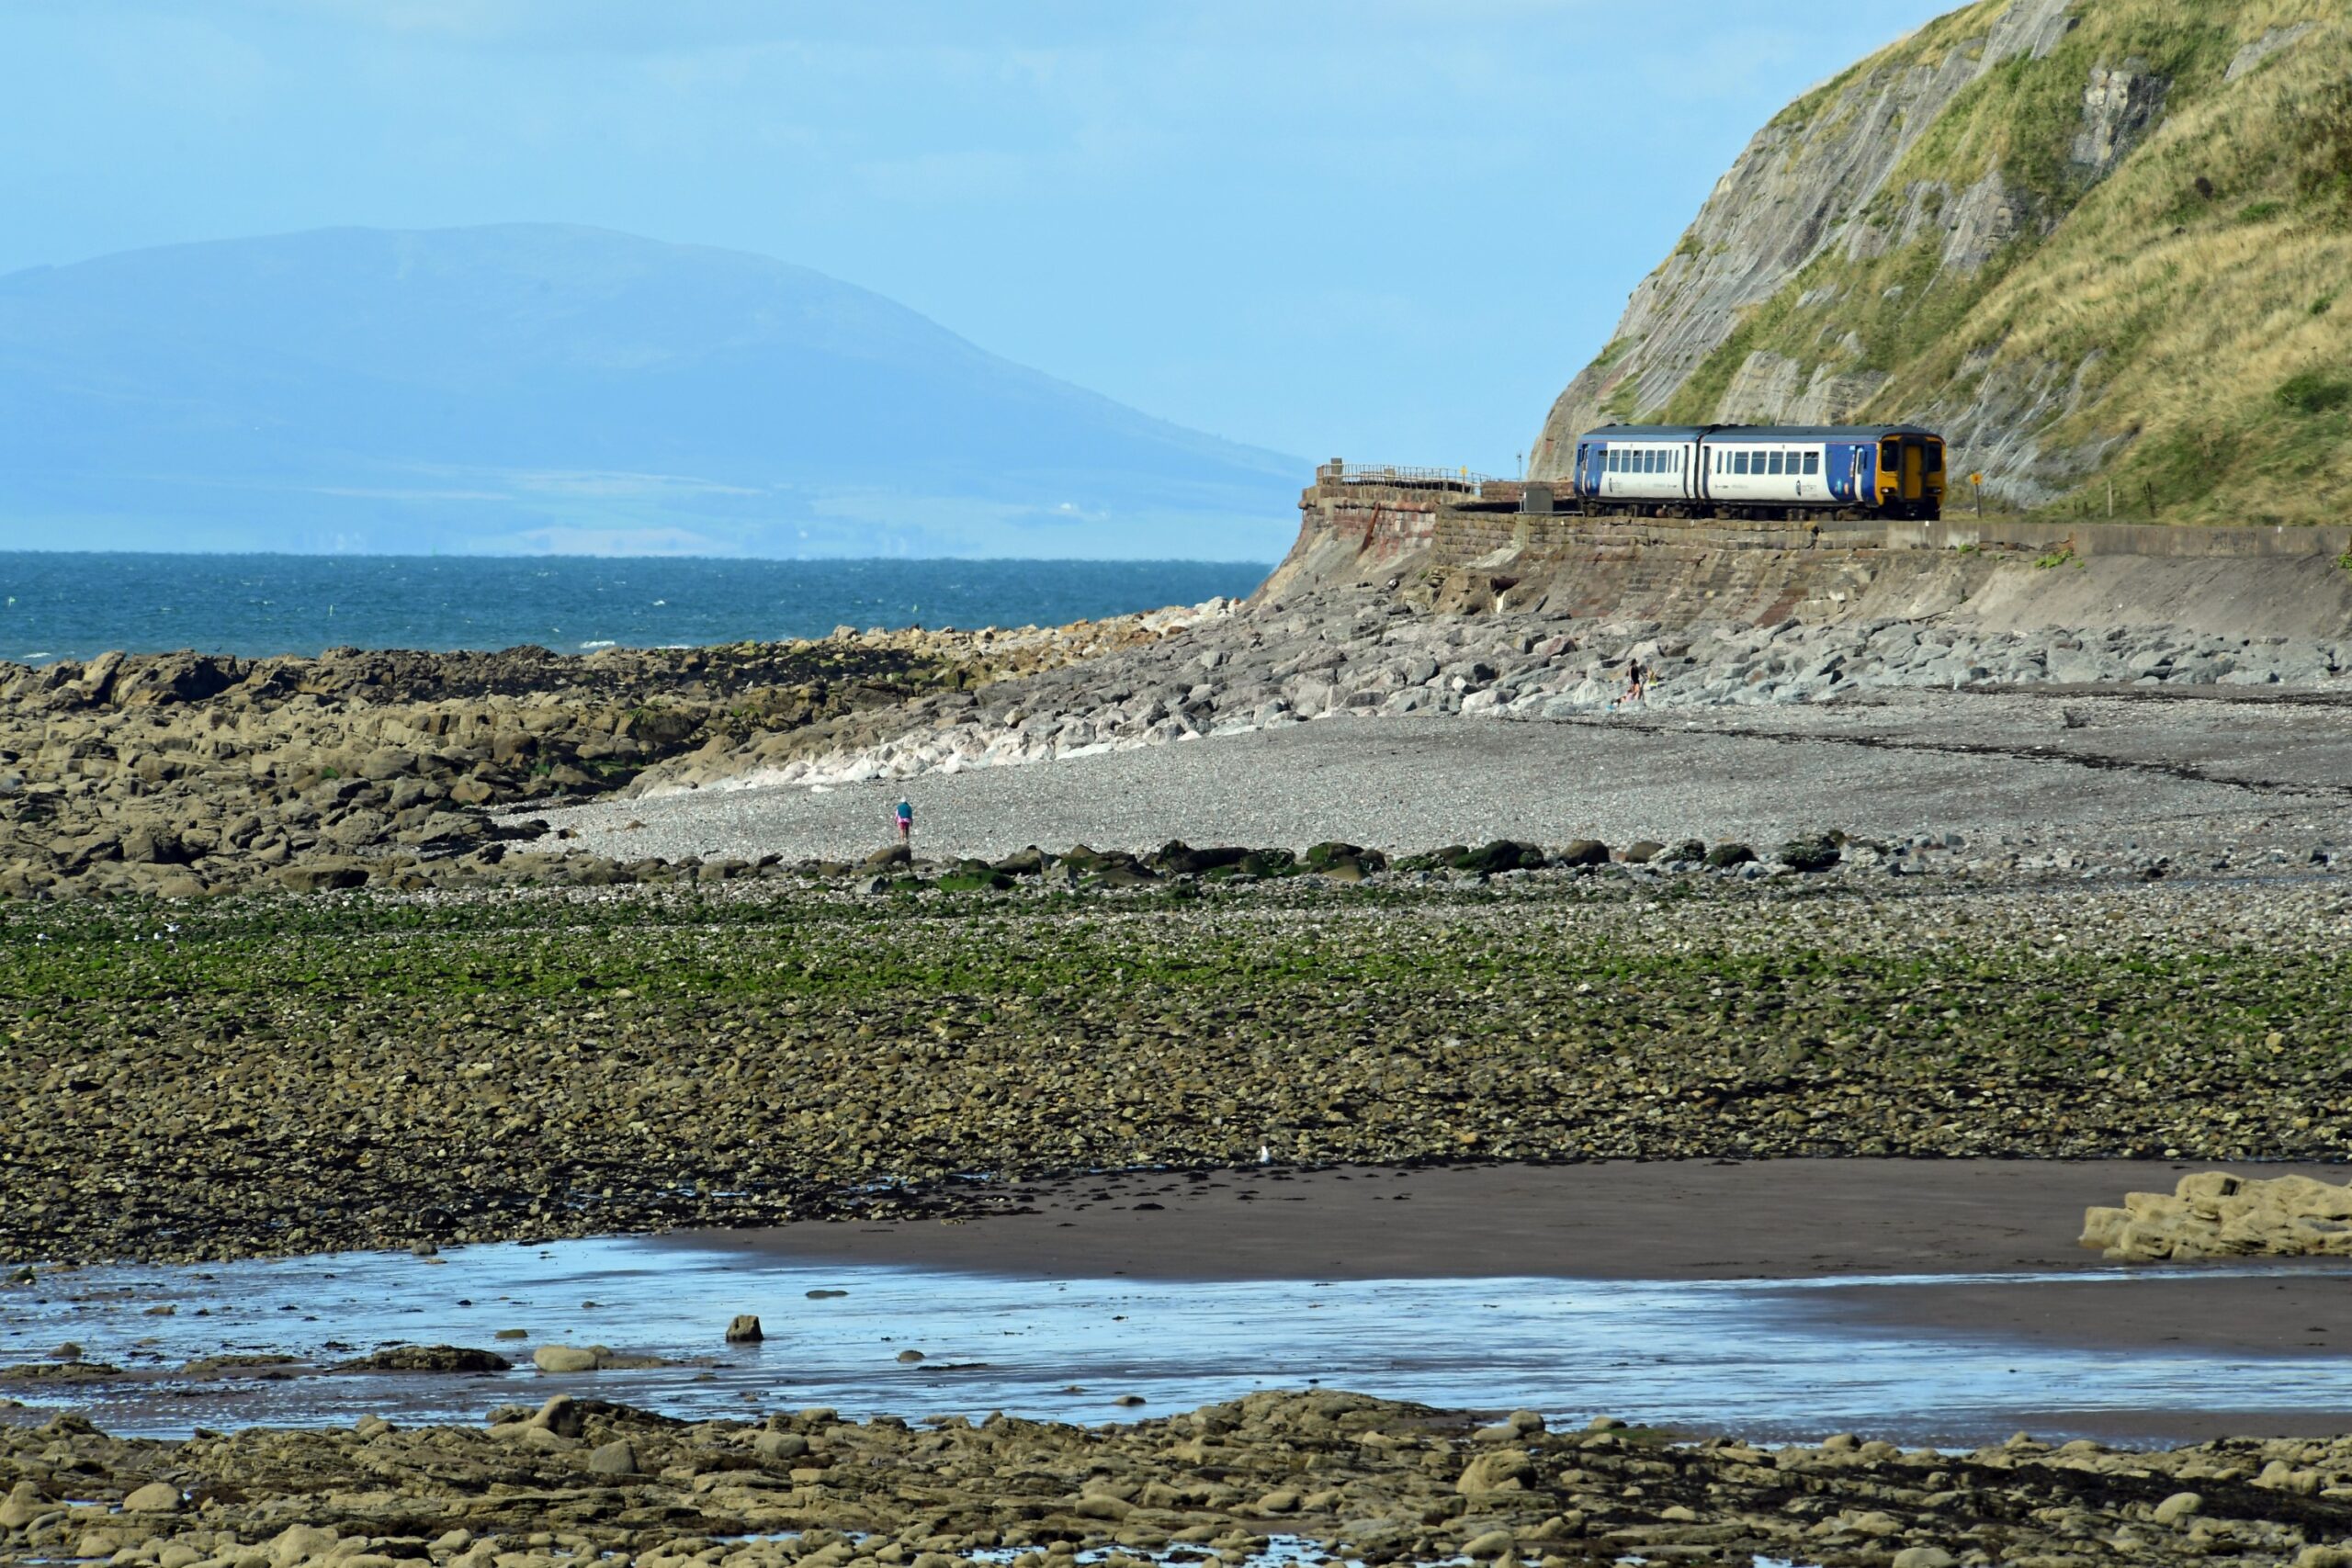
1772 464
1813 462
1739 462
1649 461
1608 462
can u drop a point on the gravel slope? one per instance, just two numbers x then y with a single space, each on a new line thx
2026 777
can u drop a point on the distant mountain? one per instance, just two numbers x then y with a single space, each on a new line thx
528 386
2104 245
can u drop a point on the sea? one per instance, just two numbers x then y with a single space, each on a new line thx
73 605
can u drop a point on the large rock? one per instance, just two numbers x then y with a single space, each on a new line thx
2214 1214
1505 1470
156 1497
1812 852
615 1458
320 876
563 1359
25 1503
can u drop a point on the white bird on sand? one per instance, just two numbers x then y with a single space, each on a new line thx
1265 1154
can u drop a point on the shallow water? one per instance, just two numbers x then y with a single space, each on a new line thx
1759 1358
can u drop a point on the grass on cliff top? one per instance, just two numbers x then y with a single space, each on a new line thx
2182 315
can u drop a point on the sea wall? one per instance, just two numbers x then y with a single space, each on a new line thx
1472 550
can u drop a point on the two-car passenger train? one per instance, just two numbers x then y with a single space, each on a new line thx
1761 471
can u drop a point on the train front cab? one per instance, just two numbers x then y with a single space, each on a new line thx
1911 476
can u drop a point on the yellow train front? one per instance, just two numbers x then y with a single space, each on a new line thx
1762 472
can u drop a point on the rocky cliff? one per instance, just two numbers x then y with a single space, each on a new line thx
2099 243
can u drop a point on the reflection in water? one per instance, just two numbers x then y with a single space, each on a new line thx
1742 1356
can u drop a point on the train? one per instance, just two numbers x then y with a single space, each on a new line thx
1761 472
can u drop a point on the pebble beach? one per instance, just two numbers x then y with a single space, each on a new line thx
1308 897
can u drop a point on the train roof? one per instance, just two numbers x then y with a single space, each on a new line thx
1647 432
1855 433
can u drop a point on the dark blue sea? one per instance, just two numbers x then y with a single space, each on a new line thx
72 604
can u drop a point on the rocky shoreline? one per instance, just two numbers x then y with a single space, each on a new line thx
1327 651
1346 1477
185 773
265 1076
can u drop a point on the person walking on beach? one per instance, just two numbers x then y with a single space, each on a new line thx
906 820
1635 683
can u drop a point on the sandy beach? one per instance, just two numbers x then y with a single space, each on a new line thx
1922 1231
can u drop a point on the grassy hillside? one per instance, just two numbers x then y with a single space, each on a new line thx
2169 312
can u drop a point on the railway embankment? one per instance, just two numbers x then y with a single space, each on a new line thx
1460 544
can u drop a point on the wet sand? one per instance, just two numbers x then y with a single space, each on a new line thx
1794 1219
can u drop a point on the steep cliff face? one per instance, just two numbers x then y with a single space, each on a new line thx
2093 241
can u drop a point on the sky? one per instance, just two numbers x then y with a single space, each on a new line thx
1382 230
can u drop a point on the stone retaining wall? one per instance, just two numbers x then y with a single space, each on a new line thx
1477 554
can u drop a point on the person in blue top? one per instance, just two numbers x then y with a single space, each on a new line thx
906 821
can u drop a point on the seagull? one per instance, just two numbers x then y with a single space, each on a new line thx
1265 1154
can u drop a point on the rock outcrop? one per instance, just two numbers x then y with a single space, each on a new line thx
2084 238
184 774
1342 1476
2215 1214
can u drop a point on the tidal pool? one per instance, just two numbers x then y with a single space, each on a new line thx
1758 1357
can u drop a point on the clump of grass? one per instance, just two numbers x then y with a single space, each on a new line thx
2260 211
2312 391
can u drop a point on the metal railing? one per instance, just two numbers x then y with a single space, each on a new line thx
1400 476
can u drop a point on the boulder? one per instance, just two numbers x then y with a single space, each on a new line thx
156 1497
744 1329
1268 863
24 1504
1813 851
615 1458
300 1543
1505 1470
1583 852
1641 851
320 875
895 854
1724 855
1502 854
560 1416
1177 858
563 1359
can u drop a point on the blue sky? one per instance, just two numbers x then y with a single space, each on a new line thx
1382 228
